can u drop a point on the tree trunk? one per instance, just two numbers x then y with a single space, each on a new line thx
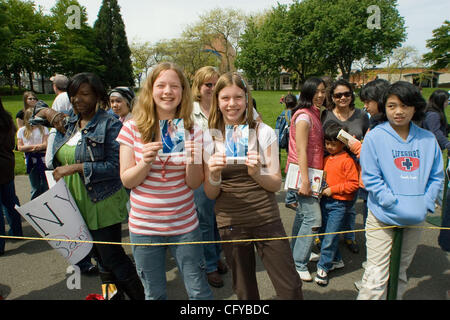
30 76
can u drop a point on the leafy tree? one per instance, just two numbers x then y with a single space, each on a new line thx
74 49
342 35
111 40
141 58
219 30
28 40
440 47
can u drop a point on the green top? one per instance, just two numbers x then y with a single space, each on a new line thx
104 213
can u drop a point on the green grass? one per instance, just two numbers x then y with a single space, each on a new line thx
267 103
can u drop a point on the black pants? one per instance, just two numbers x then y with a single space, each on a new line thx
112 257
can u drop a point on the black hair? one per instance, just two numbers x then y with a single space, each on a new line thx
307 93
409 95
6 121
331 131
340 82
436 104
290 101
96 84
373 90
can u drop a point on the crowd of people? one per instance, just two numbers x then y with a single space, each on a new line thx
107 146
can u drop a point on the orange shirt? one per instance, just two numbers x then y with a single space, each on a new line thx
342 176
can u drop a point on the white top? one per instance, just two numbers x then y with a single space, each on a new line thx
35 138
62 103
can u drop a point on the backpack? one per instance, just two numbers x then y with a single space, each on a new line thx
282 125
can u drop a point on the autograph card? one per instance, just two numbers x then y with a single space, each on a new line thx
236 142
172 136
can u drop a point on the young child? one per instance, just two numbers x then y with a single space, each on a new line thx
342 177
32 140
162 199
402 169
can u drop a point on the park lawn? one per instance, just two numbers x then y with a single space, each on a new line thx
267 104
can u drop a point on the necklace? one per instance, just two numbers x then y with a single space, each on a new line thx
343 118
163 167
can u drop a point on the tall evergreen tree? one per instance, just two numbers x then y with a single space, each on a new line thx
111 39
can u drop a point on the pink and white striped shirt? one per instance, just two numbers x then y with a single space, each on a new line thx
162 205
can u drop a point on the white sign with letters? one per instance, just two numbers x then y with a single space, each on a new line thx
55 215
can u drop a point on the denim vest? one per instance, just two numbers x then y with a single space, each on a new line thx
97 150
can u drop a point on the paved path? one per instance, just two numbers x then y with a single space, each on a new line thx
32 270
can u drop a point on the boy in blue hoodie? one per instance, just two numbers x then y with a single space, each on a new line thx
402 169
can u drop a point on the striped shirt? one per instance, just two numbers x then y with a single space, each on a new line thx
162 205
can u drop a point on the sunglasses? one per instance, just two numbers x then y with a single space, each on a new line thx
209 85
31 99
339 95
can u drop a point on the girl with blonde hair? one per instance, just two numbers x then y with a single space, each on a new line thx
32 140
162 200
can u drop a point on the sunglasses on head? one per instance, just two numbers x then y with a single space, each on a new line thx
339 95
209 85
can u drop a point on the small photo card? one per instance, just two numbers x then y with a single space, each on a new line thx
236 145
172 136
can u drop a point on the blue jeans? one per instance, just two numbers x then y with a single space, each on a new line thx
363 194
307 221
350 220
8 200
38 183
151 265
290 197
208 228
333 214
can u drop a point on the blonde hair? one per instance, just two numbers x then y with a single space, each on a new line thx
28 131
144 113
27 94
215 120
200 77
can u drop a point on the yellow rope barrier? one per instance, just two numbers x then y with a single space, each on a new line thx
214 242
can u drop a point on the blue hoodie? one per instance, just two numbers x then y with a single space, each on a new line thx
403 177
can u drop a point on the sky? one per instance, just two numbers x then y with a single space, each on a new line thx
150 20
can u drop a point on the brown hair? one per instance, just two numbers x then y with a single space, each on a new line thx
215 120
27 94
144 113
200 77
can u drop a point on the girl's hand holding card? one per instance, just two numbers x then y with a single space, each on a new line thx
253 163
150 151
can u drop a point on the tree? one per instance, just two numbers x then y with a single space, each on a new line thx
113 46
342 34
219 30
258 53
74 49
439 56
141 58
28 40
403 57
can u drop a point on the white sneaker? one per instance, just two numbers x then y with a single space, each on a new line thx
337 265
364 264
314 257
321 277
305 275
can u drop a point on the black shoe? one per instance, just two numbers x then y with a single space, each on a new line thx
352 246
292 206
132 287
